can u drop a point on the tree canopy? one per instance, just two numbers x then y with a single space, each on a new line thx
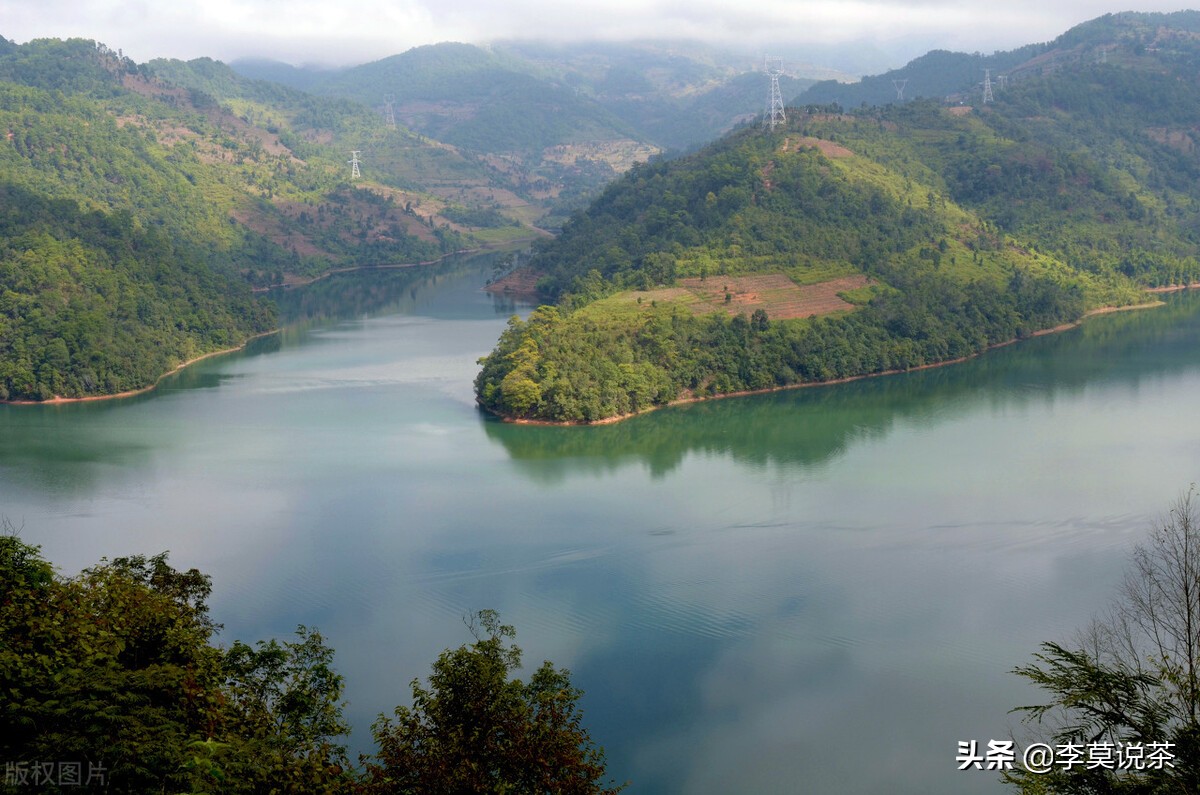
114 675
1132 678
474 729
114 670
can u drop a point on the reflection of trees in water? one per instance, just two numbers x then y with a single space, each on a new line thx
809 426
378 291
507 305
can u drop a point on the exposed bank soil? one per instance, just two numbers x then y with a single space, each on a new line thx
694 399
1173 288
58 399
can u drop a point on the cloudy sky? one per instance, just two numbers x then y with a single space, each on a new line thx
324 32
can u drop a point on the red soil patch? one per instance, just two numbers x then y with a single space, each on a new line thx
827 148
775 293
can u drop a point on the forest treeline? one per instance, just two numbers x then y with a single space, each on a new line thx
1076 187
136 215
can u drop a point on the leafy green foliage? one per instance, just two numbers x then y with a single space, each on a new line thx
282 702
114 670
94 303
1134 676
476 730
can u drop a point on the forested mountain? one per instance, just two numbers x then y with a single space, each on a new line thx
843 244
523 97
137 213
477 99
555 123
940 75
676 95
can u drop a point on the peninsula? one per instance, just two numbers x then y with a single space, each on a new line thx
837 244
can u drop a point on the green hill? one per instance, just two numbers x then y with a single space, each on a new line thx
137 213
939 75
480 132
552 123
842 245
525 96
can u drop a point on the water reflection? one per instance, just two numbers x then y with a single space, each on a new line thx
406 290
809 427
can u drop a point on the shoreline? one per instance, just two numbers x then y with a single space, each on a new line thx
1103 310
58 400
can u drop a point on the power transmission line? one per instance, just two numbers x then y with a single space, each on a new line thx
388 112
775 114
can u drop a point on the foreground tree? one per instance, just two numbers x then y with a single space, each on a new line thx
112 677
475 730
1133 677
112 680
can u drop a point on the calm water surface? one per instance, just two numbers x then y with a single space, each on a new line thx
820 590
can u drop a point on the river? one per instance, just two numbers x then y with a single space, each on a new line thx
820 590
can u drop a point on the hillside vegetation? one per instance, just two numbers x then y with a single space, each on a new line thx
138 210
552 124
965 226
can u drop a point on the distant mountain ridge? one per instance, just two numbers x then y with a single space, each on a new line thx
942 75
671 96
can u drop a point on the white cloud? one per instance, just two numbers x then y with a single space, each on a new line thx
308 31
